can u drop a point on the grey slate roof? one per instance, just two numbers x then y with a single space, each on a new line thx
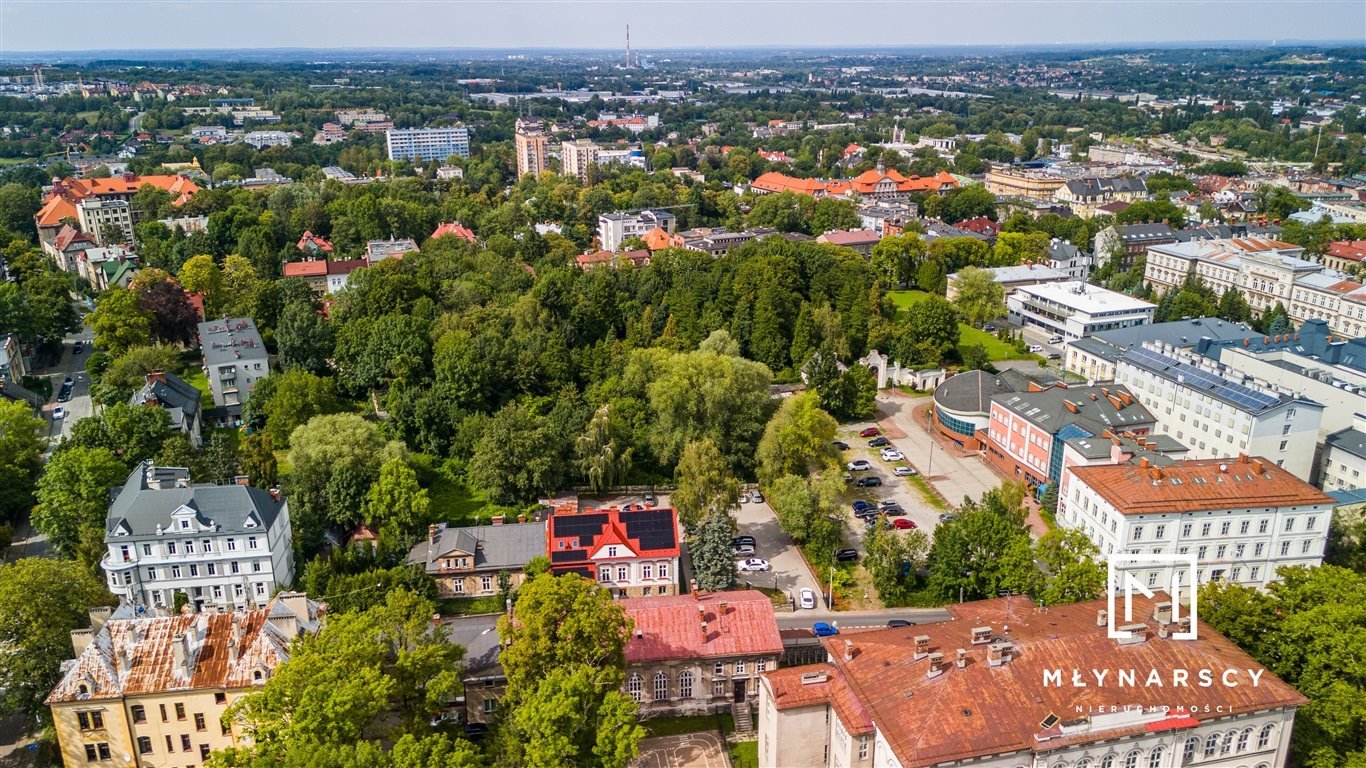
1157 454
225 341
1177 333
1048 411
1132 233
138 506
1351 440
495 547
478 635
970 392
1096 186
173 393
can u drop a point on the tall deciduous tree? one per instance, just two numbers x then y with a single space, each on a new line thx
303 338
396 503
703 483
20 457
119 321
604 458
73 494
511 461
1074 571
978 296
797 440
41 601
127 373
202 275
256 460
703 394
131 432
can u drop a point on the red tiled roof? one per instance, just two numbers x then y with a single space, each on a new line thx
61 201
316 268
669 628
345 266
789 692
70 235
574 537
781 182
310 239
1351 250
599 258
454 228
1198 485
852 238
981 225
982 710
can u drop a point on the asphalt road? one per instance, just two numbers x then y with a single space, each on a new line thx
789 570
953 476
860 619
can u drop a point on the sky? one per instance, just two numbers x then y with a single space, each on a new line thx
74 25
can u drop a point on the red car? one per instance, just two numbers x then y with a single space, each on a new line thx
903 523
870 432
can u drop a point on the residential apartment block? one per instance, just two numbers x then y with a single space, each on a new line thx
1073 309
1033 185
234 359
1027 430
631 553
1094 357
425 144
576 157
226 546
1127 242
531 143
466 562
616 228
144 692
975 690
110 221
1218 417
1242 518
1344 457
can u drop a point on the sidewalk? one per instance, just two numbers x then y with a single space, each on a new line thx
954 473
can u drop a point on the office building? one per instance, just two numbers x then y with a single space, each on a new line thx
1242 518
1093 357
145 691
423 144
1029 184
221 546
110 221
616 228
975 690
1218 417
531 142
1073 309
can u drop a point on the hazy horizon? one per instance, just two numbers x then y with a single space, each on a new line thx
665 25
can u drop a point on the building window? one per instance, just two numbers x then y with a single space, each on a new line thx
1131 759
1204 529
1188 752
718 688
1224 529
633 686
1138 533
623 573
1186 530
647 571
1304 550
144 745
1243 739
661 686
98 751
863 747
1243 528
139 713
1285 548
1228 743
251 542
199 721
1263 525
185 742
486 583
719 669
1289 524
180 711
761 665
1256 571
663 570
1161 531
232 545
170 547
90 721
203 751
175 571
1211 744
685 684
151 574
605 574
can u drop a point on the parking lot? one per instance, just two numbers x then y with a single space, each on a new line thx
901 490
789 570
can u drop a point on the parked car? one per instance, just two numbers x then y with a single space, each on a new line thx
1055 339
905 472
989 327
752 565
744 549
475 731
822 629
847 555
869 432
738 540
1054 355
896 511
840 444
64 395
68 381
860 505
866 514
879 442
1036 348
861 465
77 348
649 499
885 503
892 454
869 482
903 524
806 598
744 497
756 497
58 413
894 623
947 517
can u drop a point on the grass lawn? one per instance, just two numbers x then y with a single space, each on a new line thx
673 726
744 754
197 379
967 335
927 493
466 606
234 436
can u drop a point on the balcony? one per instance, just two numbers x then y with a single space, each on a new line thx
114 562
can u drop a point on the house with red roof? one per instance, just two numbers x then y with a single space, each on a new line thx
630 552
1345 254
981 225
60 204
701 652
880 182
775 183
774 157
314 245
637 258
67 245
455 229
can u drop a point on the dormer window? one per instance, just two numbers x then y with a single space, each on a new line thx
184 525
611 551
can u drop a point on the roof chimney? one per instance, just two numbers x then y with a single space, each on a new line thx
99 615
432 531
1138 633
936 665
922 646
981 635
848 650
999 653
81 639
1162 612
1102 618
180 650
962 660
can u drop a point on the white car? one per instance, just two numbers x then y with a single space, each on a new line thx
744 549
1036 348
861 465
1055 339
892 454
753 564
58 413
905 472
807 598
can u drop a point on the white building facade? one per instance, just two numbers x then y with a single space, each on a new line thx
427 143
616 228
219 545
1074 309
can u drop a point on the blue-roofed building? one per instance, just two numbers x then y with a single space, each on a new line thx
1217 416
1094 356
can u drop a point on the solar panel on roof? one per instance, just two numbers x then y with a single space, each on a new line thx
653 528
568 555
1214 384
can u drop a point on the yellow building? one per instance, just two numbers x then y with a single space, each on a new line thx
531 142
1009 182
153 691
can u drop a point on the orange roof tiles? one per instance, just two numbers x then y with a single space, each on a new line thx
316 268
789 692
1351 250
454 228
982 710
61 201
637 257
657 239
1197 485
310 240
669 628
781 182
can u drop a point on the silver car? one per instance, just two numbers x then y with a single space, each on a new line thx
806 598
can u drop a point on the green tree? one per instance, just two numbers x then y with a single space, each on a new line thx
335 458
41 601
703 483
512 462
978 296
892 558
897 258
396 503
797 440
19 203
287 400
985 551
21 446
570 721
713 557
202 275
367 676
127 373
852 394
1072 565
1019 248
604 458
119 321
240 288
304 339
131 432
218 460
256 460
929 331
73 494
1153 210
1233 307
703 394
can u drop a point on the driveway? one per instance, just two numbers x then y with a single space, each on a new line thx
789 570
953 476
688 750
